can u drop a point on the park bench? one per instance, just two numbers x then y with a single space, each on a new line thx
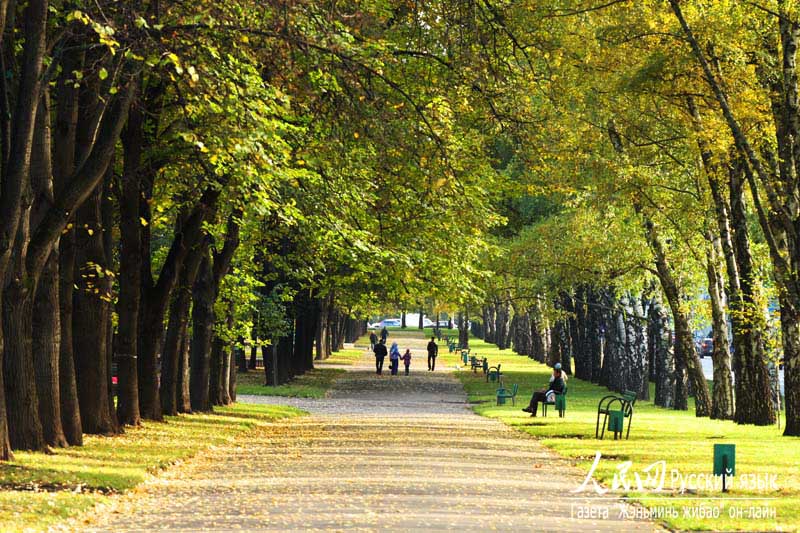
494 374
559 402
503 394
615 409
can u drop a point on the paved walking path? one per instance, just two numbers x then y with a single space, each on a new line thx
381 452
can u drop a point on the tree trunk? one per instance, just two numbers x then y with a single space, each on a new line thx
227 363
64 140
5 444
90 321
202 331
502 319
307 309
171 364
722 406
25 429
130 272
68 387
16 164
215 370
685 353
183 399
463 328
46 348
660 342
323 329
791 372
751 388
46 326
489 323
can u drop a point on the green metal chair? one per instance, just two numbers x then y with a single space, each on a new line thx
493 374
623 403
559 402
503 394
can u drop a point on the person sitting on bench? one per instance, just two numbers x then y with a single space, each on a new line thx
556 386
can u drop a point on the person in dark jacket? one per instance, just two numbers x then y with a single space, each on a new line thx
373 340
556 386
380 353
433 351
384 334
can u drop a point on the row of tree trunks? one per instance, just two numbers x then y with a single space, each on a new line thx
757 163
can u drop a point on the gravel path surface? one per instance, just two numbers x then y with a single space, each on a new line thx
380 453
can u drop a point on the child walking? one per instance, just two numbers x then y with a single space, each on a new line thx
407 359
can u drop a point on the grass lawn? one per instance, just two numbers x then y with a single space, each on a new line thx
679 438
348 356
40 490
313 384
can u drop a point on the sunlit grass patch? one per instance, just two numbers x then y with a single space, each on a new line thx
40 490
684 441
313 384
347 356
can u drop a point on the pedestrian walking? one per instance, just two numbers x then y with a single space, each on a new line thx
373 340
394 358
433 351
380 353
407 359
384 334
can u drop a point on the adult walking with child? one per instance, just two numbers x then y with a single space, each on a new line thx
394 358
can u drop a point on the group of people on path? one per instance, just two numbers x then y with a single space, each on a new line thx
380 351
556 385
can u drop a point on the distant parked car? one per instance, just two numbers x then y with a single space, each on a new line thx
386 322
706 347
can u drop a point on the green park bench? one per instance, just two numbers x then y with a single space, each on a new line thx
494 374
503 394
559 402
615 409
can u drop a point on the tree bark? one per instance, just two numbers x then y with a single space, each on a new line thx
202 330
64 147
183 391
46 348
46 327
171 363
90 320
130 271
660 342
722 406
